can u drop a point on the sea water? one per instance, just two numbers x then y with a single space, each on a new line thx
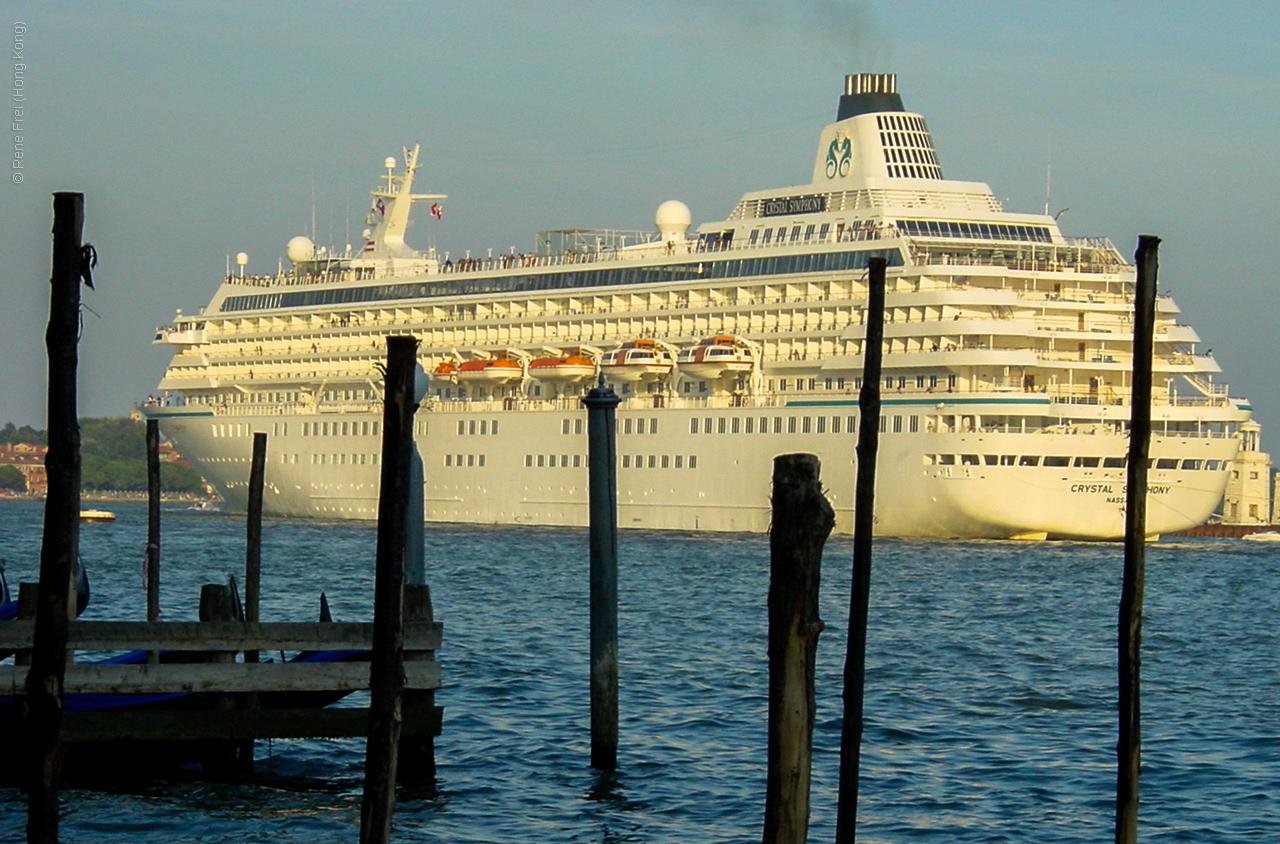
990 702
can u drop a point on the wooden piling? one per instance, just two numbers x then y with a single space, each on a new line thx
802 521
1129 634
417 763
387 674
602 481
153 523
855 665
61 541
253 535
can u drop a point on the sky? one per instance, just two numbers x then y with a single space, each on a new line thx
200 130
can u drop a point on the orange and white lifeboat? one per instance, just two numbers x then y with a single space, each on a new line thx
574 366
446 371
490 371
638 360
717 357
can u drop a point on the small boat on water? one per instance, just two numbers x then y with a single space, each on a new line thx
1264 536
97 516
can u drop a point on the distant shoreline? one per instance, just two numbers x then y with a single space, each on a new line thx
185 497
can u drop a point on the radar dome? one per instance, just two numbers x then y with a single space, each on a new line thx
300 249
672 219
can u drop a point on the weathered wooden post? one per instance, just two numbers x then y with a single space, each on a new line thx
602 480
802 521
153 523
253 536
1129 640
855 664
60 544
387 679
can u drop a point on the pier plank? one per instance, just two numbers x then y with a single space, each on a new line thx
221 635
211 678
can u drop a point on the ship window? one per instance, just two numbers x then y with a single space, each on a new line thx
462 427
653 461
482 460
542 460
781 233
1113 462
653 426
577 460
750 423
484 427
853 424
823 230
946 460
1167 463
1088 462
626 426
693 461
737 425
822 424
471 427
495 427
968 460
766 238
753 237
791 424
626 461
471 460
1058 460
884 424
1008 459
1214 465
693 425
835 424
913 424
897 424
991 459
721 424
564 426
639 426
782 385
1029 460
679 461
806 424
795 233
639 461
666 461
1193 465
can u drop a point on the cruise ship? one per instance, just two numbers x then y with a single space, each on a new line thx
1006 370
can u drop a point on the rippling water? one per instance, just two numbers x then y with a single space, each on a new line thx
990 701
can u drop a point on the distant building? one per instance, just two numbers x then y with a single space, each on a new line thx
1247 500
29 460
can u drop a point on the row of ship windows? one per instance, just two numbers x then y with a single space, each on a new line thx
564 461
341 459
792 424
1063 461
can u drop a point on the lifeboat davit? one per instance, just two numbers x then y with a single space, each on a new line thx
571 367
717 357
489 371
638 360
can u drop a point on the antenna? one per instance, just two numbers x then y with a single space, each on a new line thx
1048 176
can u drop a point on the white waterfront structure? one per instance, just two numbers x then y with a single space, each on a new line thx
1008 350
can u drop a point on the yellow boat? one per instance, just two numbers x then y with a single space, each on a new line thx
97 516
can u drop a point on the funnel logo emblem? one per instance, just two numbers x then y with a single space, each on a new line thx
839 155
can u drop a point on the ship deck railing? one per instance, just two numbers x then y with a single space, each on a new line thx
1086 255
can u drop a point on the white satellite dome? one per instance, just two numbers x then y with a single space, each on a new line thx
672 219
300 249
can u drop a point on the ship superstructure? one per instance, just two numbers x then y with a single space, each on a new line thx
1008 350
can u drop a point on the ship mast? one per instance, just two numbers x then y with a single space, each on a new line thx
391 207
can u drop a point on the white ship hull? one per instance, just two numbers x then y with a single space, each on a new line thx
1008 358
533 471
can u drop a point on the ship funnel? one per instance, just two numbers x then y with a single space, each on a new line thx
866 93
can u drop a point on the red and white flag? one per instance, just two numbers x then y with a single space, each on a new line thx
436 210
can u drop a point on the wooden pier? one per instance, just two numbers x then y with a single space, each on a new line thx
202 666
